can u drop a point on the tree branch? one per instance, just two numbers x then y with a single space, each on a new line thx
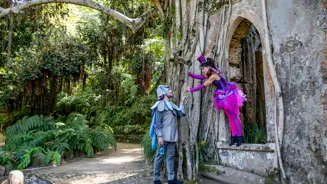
132 23
278 92
187 59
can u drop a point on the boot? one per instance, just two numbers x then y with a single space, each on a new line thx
233 140
175 181
157 182
239 140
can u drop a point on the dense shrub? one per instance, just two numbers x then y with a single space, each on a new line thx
139 113
38 134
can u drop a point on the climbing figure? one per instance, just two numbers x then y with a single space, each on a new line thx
227 96
164 129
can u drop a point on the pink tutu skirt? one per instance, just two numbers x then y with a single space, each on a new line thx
230 99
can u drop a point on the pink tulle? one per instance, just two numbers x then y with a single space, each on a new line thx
230 99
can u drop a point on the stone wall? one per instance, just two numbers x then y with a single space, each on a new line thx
249 157
297 29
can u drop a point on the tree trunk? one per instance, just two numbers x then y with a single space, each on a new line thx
53 91
11 27
187 34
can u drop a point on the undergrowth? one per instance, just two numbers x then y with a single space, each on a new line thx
38 134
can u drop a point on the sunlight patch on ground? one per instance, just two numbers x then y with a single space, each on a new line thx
122 159
135 150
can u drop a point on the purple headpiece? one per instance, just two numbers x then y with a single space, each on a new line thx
203 60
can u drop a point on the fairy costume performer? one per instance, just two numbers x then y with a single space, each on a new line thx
227 96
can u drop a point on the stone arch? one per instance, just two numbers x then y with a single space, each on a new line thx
253 18
250 18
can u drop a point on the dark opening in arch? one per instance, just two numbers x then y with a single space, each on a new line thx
246 68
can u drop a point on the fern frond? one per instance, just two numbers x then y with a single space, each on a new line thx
25 162
76 121
89 149
39 138
60 147
27 157
38 123
56 157
6 158
52 156
102 139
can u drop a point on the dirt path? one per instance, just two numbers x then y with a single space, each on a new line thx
127 157
126 165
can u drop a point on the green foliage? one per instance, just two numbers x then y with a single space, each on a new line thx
27 133
254 133
197 181
83 101
3 120
136 114
72 103
128 120
6 158
5 91
130 88
29 124
38 134
26 159
76 135
216 6
50 156
101 138
130 129
102 67
56 53
204 168
201 146
146 144
56 47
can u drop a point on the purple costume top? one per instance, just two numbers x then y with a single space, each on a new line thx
220 84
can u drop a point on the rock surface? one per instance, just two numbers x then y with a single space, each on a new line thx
15 177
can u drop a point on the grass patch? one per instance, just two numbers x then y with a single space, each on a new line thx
192 182
204 168
272 176
254 134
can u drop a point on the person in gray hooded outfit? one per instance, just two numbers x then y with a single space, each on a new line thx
165 127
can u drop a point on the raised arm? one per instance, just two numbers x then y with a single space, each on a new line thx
206 83
181 111
195 76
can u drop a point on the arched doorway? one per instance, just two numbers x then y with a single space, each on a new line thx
246 68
